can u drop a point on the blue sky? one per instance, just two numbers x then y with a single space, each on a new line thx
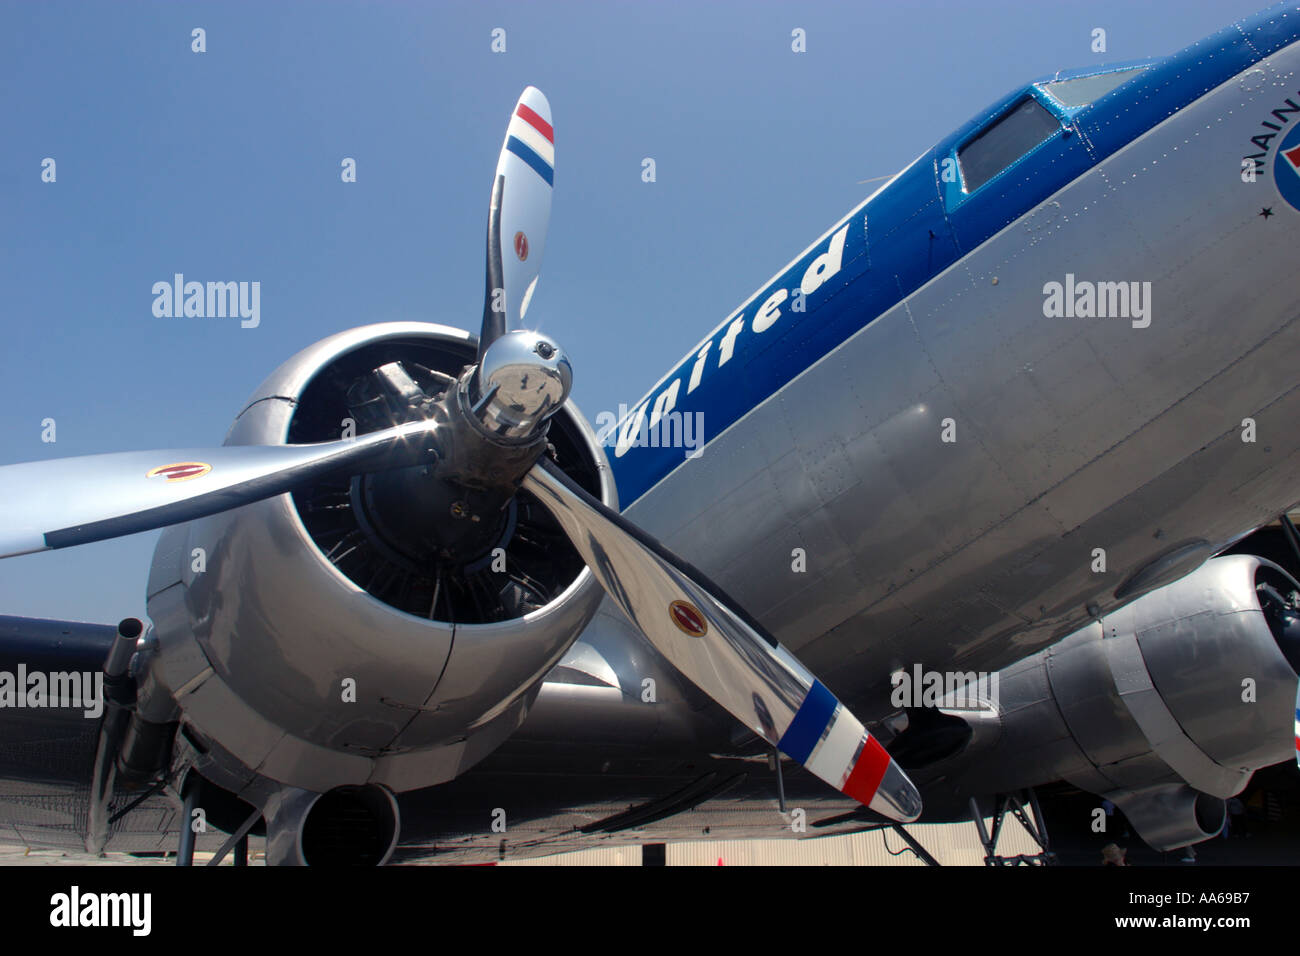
224 165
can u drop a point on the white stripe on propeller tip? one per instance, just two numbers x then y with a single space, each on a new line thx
527 165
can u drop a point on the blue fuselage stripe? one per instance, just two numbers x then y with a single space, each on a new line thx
904 236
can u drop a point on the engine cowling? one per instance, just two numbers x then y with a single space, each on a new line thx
1166 706
348 633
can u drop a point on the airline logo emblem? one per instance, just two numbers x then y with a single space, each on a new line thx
1286 168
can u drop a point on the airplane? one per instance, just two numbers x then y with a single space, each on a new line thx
994 494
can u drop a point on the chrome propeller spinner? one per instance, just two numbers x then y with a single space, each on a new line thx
522 380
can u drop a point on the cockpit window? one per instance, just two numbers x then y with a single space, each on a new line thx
1016 133
1087 89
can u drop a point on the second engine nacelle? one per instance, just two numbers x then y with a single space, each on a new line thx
1165 707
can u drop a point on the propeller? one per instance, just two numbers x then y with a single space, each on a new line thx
726 654
489 430
72 501
518 216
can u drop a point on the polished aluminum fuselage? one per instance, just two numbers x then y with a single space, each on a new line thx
1068 435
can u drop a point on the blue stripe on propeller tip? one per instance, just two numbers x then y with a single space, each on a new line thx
538 165
811 719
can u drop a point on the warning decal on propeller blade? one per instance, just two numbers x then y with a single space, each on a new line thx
521 246
688 618
180 471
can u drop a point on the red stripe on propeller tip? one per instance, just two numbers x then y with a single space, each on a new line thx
536 122
867 772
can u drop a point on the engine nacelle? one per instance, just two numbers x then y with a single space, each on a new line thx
301 638
1166 706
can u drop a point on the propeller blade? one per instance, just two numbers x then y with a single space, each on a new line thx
72 501
727 655
518 216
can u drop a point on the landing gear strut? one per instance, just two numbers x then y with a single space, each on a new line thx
185 855
1034 825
